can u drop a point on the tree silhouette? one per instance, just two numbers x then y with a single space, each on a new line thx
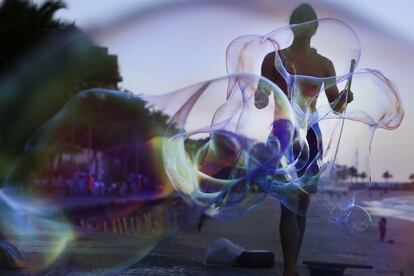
44 62
107 126
353 172
363 175
386 175
23 25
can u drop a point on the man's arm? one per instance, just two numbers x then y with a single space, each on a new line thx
268 71
332 92
268 67
261 96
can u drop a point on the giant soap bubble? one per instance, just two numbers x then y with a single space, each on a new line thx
111 167
344 132
90 181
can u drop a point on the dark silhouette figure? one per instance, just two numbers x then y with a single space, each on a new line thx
382 227
300 58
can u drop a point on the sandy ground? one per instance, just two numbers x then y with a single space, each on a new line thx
324 241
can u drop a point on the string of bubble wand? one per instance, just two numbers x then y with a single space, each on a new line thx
345 91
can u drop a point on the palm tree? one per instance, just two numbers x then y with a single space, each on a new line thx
386 175
363 175
353 172
23 25
43 75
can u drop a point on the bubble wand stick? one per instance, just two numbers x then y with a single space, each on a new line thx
345 91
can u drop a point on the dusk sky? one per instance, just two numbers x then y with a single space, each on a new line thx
166 45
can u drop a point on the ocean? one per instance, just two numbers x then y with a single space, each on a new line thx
400 206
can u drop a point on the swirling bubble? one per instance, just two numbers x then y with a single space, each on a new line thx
227 169
80 185
331 144
107 167
353 220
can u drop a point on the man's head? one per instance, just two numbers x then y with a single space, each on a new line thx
301 14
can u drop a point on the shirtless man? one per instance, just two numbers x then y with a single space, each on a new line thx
301 59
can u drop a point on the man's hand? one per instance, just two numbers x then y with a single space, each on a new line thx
350 96
261 99
261 96
339 104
